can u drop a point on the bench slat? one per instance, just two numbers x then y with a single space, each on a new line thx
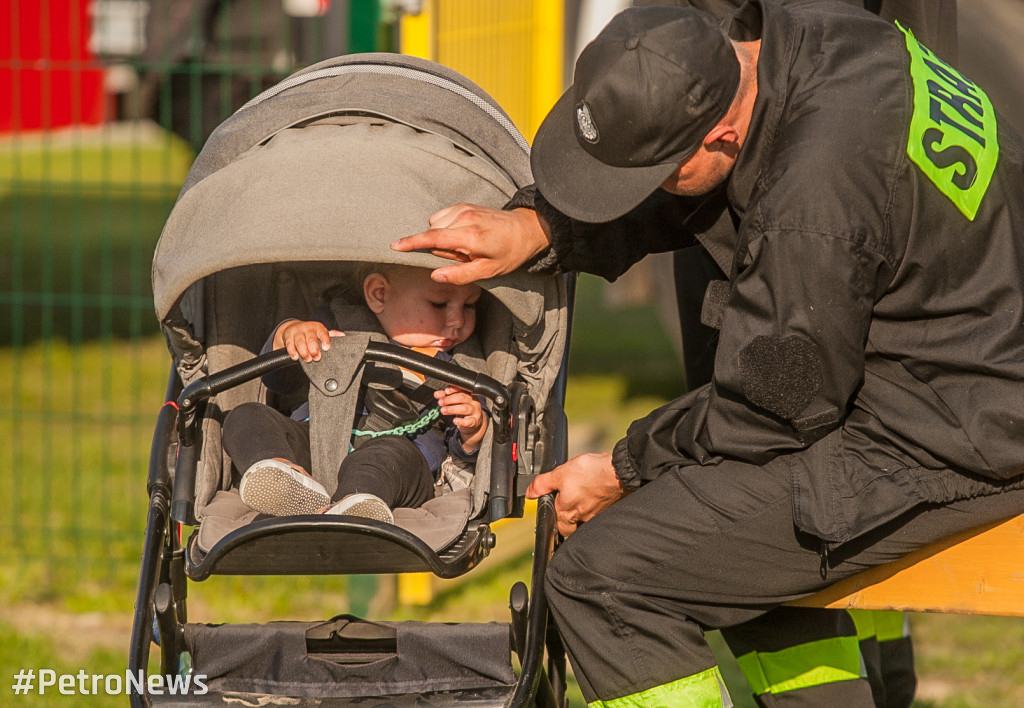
977 572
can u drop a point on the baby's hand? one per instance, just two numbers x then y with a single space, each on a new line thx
469 415
304 339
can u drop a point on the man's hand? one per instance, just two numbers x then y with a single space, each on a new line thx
470 418
488 242
586 485
304 339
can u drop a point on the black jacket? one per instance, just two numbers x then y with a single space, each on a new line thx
872 330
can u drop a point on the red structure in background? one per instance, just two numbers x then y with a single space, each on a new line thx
48 78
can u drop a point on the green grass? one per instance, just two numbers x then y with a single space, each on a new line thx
81 216
626 347
21 651
78 267
969 661
75 426
622 365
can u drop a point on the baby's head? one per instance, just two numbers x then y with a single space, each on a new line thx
415 311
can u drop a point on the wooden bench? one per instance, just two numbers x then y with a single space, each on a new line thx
978 572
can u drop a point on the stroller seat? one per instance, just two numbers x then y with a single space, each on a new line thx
439 536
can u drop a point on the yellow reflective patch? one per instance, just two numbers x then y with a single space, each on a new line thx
952 129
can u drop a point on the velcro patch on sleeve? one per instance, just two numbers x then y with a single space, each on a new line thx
715 298
781 374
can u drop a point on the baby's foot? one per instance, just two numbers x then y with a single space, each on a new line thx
366 506
276 488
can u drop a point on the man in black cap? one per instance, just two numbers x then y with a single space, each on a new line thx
884 636
865 201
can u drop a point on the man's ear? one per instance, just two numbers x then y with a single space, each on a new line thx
724 134
376 289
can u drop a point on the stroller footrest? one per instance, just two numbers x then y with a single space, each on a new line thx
347 657
329 545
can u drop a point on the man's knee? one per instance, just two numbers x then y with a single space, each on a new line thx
558 580
576 569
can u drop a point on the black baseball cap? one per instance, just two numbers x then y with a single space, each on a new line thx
646 91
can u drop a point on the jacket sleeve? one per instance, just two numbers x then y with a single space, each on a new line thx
455 448
658 224
790 358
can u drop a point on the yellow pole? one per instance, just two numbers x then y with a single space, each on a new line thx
548 57
415 589
417 36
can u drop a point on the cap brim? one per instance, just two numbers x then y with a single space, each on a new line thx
578 184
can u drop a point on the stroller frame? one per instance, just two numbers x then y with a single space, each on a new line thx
421 120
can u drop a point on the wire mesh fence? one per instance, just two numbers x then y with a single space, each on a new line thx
103 106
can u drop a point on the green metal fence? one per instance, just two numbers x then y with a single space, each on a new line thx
103 104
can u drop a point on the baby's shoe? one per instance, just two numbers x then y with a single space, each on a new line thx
276 488
367 506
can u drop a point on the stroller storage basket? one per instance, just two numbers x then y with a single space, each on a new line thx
348 657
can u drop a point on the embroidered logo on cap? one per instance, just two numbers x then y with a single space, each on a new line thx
586 123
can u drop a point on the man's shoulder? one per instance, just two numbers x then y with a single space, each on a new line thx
831 176
843 128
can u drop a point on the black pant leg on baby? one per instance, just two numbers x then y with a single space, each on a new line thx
390 467
254 432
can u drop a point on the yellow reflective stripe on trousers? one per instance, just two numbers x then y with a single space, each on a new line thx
891 625
802 666
884 625
864 621
704 690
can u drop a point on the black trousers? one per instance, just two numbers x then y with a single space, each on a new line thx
633 589
390 467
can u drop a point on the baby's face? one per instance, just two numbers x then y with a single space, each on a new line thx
417 312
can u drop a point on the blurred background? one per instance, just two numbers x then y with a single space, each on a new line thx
103 106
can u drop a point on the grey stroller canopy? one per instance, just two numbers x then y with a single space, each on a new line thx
324 171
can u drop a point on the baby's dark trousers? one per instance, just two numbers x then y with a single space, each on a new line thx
390 467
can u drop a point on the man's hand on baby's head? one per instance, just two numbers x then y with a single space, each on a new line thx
484 242
467 415
304 339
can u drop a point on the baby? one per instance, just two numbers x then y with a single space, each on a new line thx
383 471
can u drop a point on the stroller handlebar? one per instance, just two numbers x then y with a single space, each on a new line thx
442 370
477 383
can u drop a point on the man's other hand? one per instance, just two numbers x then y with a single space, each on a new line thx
586 486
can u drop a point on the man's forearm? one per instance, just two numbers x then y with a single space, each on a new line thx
609 249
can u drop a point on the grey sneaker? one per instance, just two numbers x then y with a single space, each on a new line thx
272 487
366 506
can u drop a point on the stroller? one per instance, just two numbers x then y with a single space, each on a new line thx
307 181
